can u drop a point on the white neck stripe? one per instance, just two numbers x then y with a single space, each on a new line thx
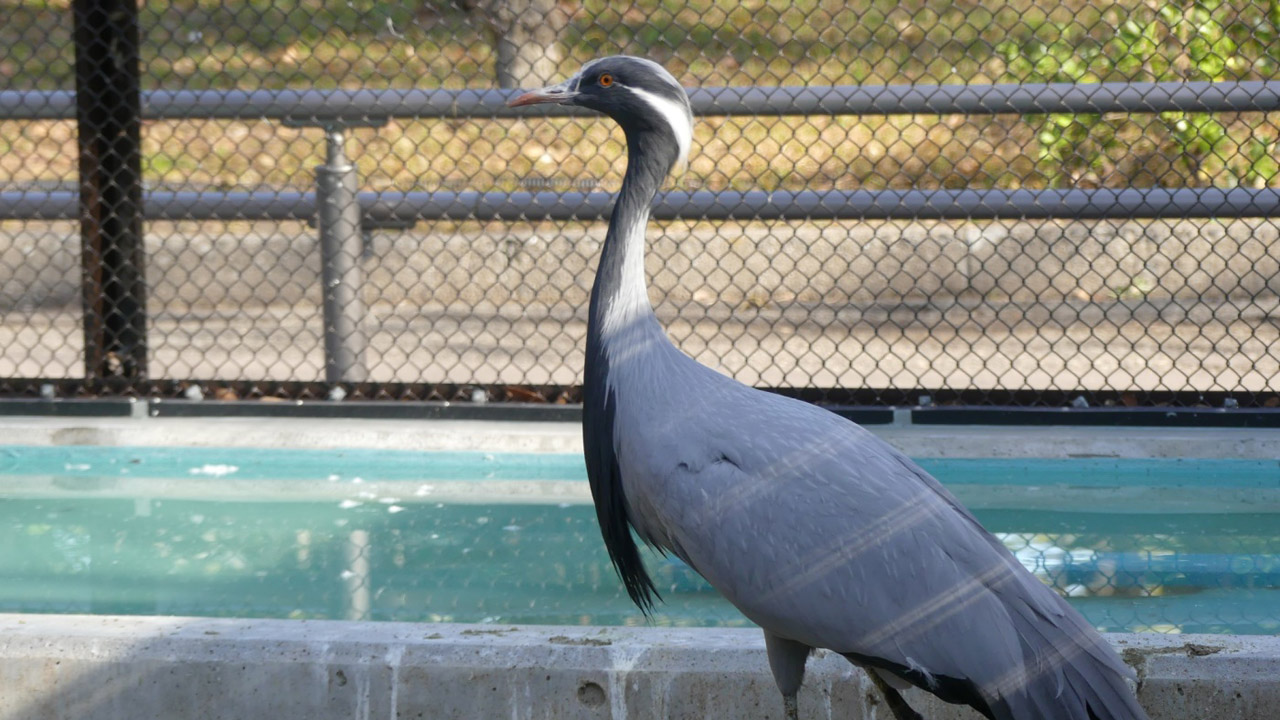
677 117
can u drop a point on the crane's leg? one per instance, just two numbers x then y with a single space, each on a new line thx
786 660
901 710
790 708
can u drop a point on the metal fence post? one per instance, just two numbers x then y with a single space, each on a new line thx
341 250
108 114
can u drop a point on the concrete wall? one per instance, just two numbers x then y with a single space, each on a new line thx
126 668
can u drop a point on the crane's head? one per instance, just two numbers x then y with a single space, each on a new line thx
639 94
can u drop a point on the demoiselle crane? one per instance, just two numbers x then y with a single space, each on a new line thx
818 531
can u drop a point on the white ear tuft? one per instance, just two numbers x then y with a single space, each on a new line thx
678 118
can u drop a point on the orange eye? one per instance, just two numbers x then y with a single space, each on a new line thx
606 80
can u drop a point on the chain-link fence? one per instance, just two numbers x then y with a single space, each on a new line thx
1006 202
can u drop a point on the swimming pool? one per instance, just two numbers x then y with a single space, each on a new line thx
1172 545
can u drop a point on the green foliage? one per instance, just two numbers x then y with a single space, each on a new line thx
1198 40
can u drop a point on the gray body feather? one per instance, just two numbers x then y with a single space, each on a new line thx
823 534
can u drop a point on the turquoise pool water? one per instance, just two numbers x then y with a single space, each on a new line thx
1166 545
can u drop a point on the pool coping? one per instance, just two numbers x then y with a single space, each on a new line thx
58 667
916 440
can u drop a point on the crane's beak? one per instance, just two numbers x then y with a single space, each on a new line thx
558 94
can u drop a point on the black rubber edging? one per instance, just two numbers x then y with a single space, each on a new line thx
115 407
367 410
538 412
1099 417
546 412
376 410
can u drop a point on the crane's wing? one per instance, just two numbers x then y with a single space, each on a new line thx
824 534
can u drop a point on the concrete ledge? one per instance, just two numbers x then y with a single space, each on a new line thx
124 668
918 441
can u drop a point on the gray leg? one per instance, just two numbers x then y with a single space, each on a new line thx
790 708
901 710
786 660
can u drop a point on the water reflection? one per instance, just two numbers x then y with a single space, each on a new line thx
401 560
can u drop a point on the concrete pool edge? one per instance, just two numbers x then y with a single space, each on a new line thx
58 667
919 441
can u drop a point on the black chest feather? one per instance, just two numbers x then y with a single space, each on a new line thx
599 413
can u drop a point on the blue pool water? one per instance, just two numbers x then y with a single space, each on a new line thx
1166 545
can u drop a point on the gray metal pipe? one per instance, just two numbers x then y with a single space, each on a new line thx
399 208
364 106
342 277
165 205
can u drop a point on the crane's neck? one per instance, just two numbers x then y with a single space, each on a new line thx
620 298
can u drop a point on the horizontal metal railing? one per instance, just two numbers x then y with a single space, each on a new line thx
342 107
401 208
359 105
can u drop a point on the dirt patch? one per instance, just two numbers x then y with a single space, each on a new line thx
565 640
1137 657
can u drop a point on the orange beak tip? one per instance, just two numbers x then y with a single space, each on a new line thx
529 98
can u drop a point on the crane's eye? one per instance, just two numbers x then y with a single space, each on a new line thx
605 80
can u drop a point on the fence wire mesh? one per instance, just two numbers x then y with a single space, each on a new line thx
1023 309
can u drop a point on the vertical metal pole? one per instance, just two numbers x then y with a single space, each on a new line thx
341 246
108 114
357 578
